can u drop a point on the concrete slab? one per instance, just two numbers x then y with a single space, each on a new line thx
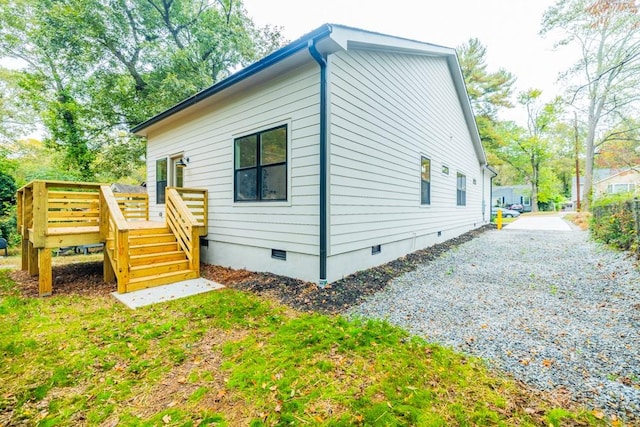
542 222
165 293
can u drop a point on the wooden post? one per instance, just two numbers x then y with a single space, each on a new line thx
205 206
104 218
40 200
25 253
33 259
195 248
122 252
108 271
45 279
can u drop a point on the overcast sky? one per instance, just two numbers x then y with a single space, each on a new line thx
508 28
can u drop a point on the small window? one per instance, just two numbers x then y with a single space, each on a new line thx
376 249
161 180
445 170
461 187
425 181
260 166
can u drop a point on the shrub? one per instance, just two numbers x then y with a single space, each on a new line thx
614 222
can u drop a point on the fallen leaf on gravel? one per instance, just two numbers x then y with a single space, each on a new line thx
598 414
166 419
547 363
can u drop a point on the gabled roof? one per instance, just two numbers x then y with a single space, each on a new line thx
620 173
329 38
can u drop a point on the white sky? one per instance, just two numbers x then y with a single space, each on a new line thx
508 28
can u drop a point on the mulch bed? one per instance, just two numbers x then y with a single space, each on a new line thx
338 296
86 279
81 278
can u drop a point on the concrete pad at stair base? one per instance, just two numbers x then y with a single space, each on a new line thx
543 222
165 293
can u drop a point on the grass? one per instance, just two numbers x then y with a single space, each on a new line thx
228 358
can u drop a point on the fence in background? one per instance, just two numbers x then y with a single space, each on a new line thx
618 224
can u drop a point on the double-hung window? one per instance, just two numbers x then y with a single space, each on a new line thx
161 180
425 181
461 190
260 166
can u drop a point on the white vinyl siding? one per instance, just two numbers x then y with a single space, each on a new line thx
387 109
207 138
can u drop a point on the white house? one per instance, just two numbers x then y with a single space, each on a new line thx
625 181
341 151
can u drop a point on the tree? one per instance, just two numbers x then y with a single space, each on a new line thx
488 91
97 67
528 150
16 119
608 71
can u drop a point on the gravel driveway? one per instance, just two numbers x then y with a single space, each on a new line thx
552 308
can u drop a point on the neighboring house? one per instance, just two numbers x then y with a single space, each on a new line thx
341 151
626 181
507 195
598 175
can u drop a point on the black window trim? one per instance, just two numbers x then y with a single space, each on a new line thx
161 200
259 168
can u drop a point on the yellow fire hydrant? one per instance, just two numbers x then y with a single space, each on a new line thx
499 219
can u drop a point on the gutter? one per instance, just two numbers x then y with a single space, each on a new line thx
323 159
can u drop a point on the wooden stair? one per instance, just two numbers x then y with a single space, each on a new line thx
156 258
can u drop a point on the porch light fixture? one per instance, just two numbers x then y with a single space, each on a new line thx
181 163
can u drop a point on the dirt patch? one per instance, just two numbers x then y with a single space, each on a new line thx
581 219
340 295
83 278
198 383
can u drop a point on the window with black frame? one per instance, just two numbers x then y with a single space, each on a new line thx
260 166
161 180
461 193
425 181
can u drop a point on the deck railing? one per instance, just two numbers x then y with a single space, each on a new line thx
134 206
114 231
197 201
185 226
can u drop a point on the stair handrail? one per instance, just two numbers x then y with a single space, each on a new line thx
113 226
185 226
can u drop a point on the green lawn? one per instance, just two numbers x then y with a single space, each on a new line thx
230 358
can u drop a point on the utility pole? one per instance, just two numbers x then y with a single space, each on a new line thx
575 128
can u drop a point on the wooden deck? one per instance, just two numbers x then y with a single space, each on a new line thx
138 253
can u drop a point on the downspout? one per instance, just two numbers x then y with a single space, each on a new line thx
323 160
493 175
484 203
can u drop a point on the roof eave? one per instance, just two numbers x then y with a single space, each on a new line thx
235 78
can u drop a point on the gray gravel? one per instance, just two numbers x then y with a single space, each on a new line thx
554 309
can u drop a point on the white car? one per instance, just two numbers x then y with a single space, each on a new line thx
506 213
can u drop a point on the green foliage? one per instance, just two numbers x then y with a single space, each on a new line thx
614 221
488 91
95 68
92 359
602 84
7 192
